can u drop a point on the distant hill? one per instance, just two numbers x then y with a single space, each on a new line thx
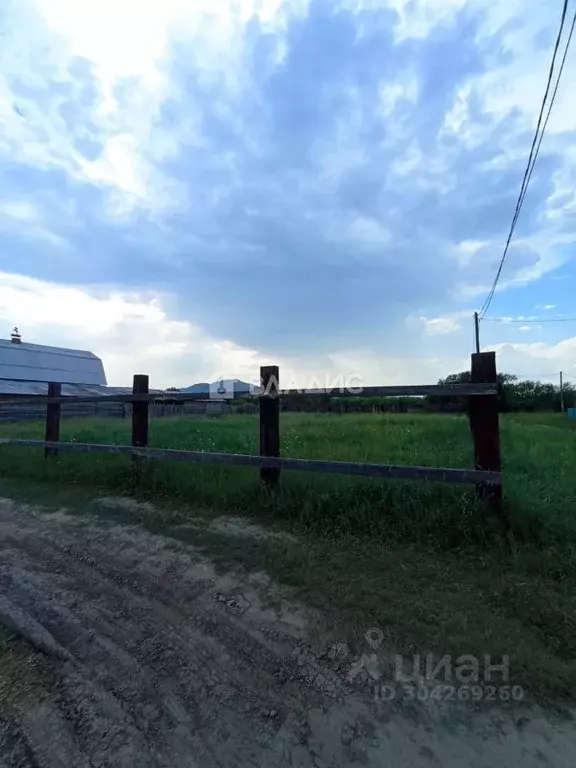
223 388
196 388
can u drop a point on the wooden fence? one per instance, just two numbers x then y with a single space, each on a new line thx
24 410
483 410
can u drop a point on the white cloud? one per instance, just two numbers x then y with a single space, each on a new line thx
121 39
133 333
466 250
130 332
418 18
437 326
537 359
130 39
128 44
20 210
397 370
391 92
368 231
128 75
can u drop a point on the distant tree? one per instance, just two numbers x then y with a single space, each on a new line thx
515 394
465 377
505 381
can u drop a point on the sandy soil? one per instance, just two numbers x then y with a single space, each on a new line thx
156 660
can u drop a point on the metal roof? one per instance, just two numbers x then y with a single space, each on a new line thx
41 388
38 363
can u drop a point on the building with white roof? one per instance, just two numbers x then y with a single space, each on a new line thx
28 368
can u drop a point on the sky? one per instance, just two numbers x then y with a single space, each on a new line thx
195 188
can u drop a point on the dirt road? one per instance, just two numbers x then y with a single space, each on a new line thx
152 659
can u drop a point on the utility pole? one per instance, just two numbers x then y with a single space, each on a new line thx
477 332
561 393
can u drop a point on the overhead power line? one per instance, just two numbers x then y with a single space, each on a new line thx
530 320
535 148
538 376
552 100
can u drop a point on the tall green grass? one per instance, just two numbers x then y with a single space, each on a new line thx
538 460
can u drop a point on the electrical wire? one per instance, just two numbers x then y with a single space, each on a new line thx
552 100
534 150
533 376
530 320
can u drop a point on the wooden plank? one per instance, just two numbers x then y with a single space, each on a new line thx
406 390
270 422
52 420
129 398
413 390
436 474
485 428
140 413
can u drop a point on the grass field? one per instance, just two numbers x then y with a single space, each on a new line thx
538 455
419 559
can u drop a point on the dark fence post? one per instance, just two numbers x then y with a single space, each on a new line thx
485 428
269 421
140 414
53 419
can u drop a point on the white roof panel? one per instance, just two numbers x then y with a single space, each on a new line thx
36 362
41 388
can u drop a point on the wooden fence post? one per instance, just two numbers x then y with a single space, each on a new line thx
269 421
485 428
140 414
52 419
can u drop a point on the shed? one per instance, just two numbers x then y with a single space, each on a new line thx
24 362
27 369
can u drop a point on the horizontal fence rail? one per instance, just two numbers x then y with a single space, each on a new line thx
416 390
481 395
442 474
408 390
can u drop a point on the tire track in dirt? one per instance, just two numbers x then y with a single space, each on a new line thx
162 662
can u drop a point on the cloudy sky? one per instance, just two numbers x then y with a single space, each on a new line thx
191 188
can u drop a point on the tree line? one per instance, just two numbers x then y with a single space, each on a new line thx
516 394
